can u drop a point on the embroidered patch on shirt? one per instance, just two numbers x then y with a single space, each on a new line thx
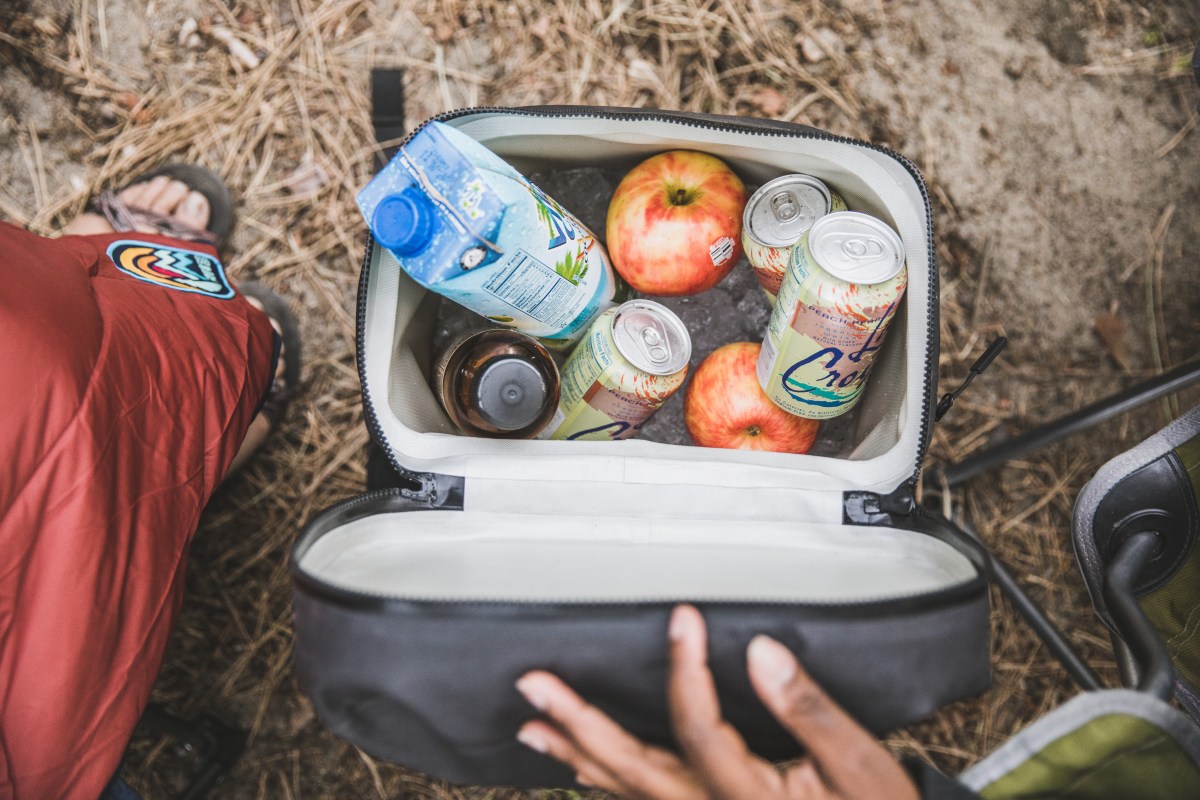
172 267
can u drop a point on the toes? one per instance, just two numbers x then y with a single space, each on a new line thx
160 195
169 200
141 194
155 188
193 210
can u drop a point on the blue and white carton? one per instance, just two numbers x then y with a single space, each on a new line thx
463 223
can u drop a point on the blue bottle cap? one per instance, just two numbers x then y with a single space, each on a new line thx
405 222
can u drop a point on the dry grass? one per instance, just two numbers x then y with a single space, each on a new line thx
272 96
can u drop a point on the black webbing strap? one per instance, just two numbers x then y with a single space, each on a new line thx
387 111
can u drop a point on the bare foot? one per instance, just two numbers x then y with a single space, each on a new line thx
162 195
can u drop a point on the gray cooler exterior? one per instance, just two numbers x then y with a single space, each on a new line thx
430 685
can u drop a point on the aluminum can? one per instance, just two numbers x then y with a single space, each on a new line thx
497 383
839 295
633 358
776 216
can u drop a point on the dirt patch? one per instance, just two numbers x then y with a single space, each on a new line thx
1058 139
1052 174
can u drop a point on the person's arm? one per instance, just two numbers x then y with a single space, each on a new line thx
843 760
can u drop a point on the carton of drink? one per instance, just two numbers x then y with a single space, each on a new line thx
463 223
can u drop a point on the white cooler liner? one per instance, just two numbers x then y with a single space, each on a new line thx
400 316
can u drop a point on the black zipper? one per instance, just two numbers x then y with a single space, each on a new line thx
773 129
415 479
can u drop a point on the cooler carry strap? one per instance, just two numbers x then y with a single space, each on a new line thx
387 112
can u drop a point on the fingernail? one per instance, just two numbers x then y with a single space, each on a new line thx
678 624
771 660
533 693
532 740
582 781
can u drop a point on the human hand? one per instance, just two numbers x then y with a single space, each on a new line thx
843 761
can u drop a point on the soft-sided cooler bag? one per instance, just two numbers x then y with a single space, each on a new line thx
416 609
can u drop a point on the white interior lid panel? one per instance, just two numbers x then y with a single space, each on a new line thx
485 556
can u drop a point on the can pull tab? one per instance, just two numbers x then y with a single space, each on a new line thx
981 363
785 206
656 346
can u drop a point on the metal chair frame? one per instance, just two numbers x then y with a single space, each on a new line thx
1142 656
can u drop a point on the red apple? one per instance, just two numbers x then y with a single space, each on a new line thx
725 407
675 223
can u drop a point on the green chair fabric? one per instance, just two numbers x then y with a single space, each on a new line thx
1110 745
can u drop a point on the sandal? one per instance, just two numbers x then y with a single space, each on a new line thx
283 388
220 215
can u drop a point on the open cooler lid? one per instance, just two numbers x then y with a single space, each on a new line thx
458 556
650 478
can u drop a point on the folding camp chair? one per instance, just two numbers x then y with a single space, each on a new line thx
1135 531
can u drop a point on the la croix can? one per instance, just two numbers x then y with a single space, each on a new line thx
776 216
633 358
837 300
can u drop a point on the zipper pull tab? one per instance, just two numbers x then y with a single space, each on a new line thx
981 363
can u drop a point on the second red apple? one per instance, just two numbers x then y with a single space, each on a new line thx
725 407
675 223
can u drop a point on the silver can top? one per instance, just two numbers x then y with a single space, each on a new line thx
856 248
651 337
783 209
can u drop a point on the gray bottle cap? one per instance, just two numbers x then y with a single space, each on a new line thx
651 337
856 248
783 209
509 393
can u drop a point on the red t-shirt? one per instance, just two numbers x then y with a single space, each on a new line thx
129 374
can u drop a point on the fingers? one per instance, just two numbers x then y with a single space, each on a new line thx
800 705
712 747
846 754
600 751
545 738
803 780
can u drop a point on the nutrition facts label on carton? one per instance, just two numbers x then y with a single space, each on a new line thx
530 286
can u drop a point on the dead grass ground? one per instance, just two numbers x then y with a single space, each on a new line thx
1059 141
